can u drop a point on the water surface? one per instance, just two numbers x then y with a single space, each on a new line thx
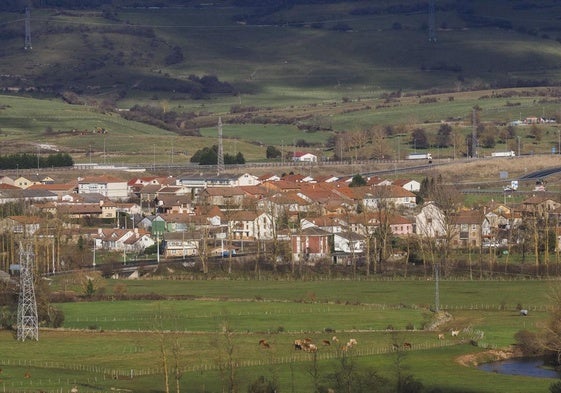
529 367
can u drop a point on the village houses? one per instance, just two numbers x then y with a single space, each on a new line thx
318 217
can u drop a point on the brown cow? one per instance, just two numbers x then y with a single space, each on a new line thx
298 344
310 348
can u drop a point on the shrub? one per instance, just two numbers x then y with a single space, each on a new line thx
56 317
262 385
555 387
7 318
528 342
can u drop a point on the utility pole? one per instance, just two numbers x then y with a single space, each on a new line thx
473 134
436 288
220 166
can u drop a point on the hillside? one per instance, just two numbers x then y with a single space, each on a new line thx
277 71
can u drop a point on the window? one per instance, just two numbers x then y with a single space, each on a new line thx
464 231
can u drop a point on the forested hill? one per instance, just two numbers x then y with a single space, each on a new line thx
109 49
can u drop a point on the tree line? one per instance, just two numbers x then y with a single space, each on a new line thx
209 156
28 161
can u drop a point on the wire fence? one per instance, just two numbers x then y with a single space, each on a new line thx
148 318
98 374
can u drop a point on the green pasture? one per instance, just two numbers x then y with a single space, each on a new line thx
29 117
436 368
24 122
409 293
250 316
267 134
103 339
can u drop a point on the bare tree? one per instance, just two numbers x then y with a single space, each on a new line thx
366 229
226 350
449 200
162 343
202 251
313 370
383 208
380 144
458 143
551 335
176 351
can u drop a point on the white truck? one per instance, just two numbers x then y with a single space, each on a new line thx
503 154
420 156
513 186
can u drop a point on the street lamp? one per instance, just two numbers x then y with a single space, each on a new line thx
93 263
183 243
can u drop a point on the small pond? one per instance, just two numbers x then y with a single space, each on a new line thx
529 367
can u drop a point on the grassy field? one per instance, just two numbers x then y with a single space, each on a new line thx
27 122
102 340
290 66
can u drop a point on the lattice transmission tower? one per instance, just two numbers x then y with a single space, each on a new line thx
27 44
220 166
28 322
432 21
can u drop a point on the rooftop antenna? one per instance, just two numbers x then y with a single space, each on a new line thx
27 44
220 166
28 322
432 21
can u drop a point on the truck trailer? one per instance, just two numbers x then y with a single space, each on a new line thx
420 156
503 154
